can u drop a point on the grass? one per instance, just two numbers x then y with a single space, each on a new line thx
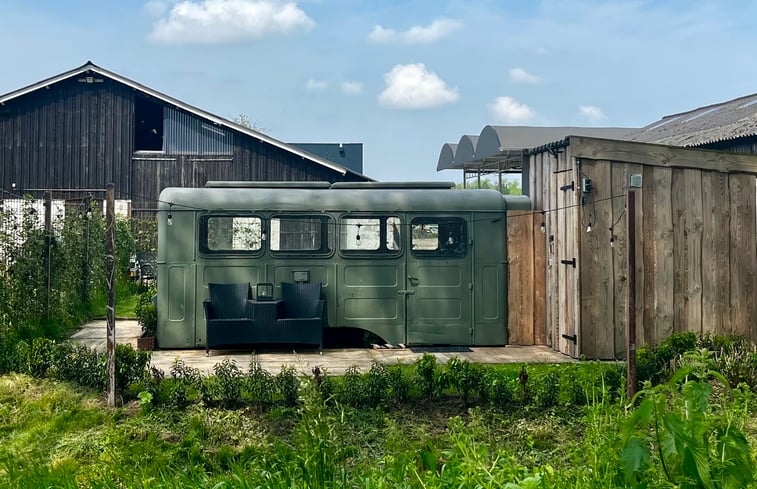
53 434
127 297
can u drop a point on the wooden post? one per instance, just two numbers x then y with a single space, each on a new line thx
48 243
110 252
631 293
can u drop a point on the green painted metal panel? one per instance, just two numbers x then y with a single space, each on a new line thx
422 296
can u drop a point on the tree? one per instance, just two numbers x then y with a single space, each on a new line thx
244 120
509 187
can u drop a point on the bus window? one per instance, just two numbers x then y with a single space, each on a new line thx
231 234
442 237
301 233
369 234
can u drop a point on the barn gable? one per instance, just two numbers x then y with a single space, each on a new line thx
90 126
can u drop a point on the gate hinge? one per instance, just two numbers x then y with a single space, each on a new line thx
570 186
569 262
571 337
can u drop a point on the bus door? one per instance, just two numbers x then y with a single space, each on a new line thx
439 284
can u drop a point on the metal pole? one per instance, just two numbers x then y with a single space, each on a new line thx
631 295
110 253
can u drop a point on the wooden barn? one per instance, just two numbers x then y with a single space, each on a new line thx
696 230
89 126
696 247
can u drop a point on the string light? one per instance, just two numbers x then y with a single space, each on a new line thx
588 228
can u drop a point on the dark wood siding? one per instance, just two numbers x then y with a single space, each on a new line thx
77 135
70 135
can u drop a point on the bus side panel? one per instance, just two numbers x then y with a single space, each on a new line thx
176 318
369 298
490 279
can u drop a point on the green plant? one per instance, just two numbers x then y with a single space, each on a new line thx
399 383
288 384
145 401
227 385
147 312
466 378
428 379
261 386
695 445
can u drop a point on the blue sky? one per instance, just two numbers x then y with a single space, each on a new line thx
401 77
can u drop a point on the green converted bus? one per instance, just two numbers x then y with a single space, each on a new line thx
413 263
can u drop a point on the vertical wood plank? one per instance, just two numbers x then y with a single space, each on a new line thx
743 258
515 289
596 298
664 253
688 222
621 174
539 277
574 274
553 262
679 202
715 254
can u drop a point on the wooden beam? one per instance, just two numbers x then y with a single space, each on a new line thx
660 155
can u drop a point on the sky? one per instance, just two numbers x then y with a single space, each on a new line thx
401 77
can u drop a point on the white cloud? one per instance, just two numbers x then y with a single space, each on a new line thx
438 29
414 87
590 112
314 85
224 21
156 8
507 109
352 87
519 75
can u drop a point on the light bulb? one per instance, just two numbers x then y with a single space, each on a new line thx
543 228
588 228
263 236
612 241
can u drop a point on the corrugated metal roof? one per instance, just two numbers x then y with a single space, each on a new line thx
725 121
446 156
505 144
90 67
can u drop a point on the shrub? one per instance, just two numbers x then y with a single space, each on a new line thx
428 379
147 312
288 384
260 385
399 384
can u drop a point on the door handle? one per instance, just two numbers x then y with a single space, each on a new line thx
405 292
413 280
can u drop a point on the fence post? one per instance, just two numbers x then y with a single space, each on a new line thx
48 242
110 253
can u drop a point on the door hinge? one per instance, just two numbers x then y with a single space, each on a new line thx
569 262
570 186
571 337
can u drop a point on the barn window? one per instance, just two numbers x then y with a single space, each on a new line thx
369 234
301 233
174 132
188 134
148 118
231 234
439 237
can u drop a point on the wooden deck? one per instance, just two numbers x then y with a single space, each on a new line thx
334 361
